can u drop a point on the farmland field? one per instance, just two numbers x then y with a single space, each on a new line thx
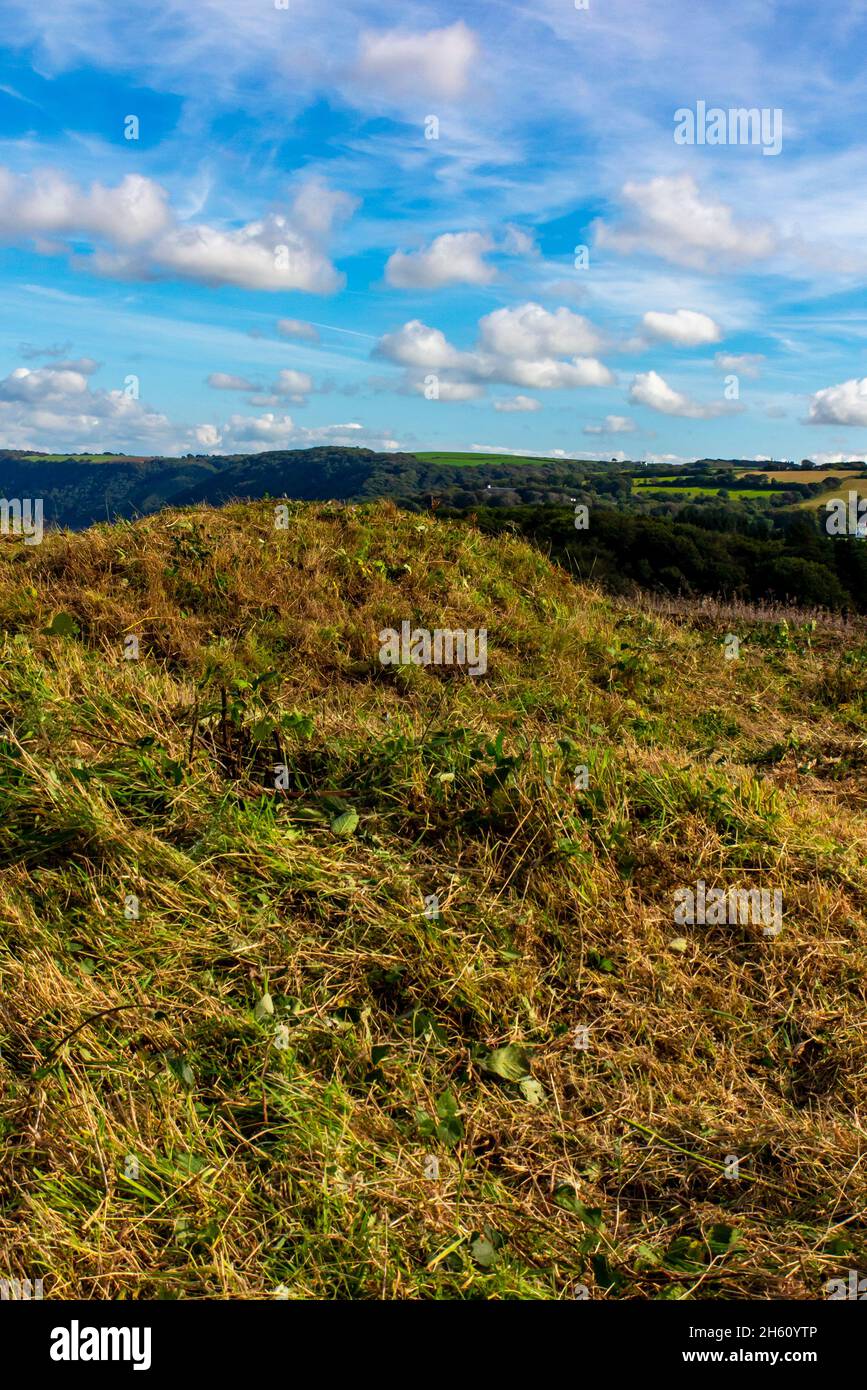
474 460
648 486
805 475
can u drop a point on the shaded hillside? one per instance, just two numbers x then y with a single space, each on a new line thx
420 1021
361 474
77 492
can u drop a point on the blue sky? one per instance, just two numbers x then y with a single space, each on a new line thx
283 256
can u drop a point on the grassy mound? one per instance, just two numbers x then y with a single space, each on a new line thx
244 1052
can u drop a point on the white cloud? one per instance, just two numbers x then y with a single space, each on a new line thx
533 332
223 381
518 242
743 363
53 407
136 235
206 435
293 386
416 345
253 433
402 64
455 258
684 328
547 374
517 403
518 347
298 328
48 204
845 404
45 384
828 460
542 453
612 424
289 385
57 406
650 389
671 219
447 390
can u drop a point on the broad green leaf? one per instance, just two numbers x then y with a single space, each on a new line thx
512 1063
183 1071
62 625
345 824
532 1090
483 1252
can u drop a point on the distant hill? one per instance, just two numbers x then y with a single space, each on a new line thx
80 490
77 491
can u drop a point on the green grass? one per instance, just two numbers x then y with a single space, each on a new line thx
243 1089
79 458
704 491
855 484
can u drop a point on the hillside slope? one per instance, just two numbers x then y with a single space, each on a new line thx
244 1054
76 492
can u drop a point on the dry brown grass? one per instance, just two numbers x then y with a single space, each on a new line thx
308 1166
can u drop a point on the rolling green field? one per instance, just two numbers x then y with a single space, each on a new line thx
79 458
648 486
473 460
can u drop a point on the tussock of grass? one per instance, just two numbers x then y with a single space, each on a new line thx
245 1088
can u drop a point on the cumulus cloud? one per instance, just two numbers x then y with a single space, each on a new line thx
289 385
57 406
416 345
743 363
533 332
652 390
46 203
447 390
298 328
684 328
612 424
45 384
547 374
828 460
455 258
136 235
292 385
669 217
845 404
401 64
252 433
224 381
524 346
517 403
